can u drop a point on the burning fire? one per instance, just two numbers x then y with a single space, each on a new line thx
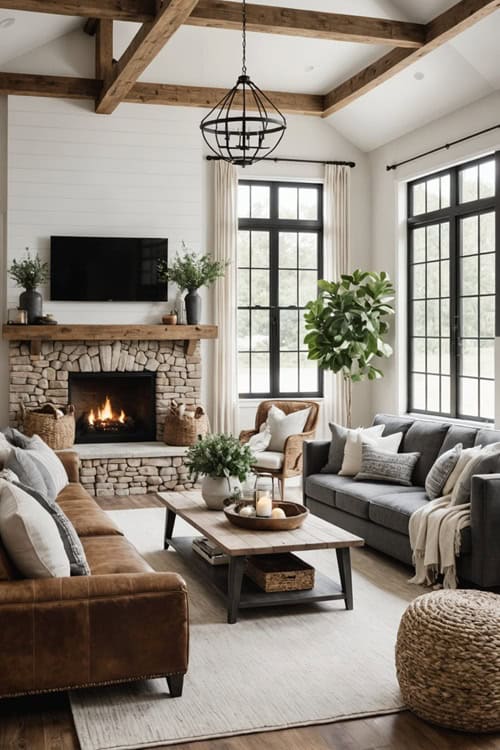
105 414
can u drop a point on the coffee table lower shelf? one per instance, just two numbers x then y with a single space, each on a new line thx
244 593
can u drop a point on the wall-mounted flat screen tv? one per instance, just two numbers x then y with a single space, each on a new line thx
106 269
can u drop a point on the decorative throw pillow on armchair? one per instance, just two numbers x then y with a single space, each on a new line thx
283 425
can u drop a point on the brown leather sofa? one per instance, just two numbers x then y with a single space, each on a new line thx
124 622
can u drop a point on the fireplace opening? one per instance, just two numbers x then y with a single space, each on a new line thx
113 407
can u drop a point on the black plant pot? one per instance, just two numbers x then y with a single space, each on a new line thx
193 308
32 302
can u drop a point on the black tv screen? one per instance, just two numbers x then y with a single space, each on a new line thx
106 269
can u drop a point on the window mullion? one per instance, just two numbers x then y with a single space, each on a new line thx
454 295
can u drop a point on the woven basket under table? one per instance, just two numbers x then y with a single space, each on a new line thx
448 659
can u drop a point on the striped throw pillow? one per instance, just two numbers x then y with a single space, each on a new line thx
441 470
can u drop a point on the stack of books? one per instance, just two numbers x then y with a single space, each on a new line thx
212 554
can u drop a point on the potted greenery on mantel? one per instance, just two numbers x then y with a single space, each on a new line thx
191 272
223 463
29 274
347 325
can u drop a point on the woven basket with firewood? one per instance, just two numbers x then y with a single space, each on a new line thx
185 424
55 425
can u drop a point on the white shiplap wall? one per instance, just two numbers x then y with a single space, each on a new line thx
139 173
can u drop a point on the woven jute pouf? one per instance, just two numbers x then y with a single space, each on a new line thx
448 659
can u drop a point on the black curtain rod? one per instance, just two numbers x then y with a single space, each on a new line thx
389 167
295 161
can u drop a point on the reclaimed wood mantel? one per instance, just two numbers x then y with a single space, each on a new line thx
37 334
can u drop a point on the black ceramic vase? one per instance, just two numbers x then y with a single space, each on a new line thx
193 308
32 302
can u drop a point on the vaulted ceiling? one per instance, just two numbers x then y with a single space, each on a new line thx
457 72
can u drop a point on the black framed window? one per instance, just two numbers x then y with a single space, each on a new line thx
451 290
280 252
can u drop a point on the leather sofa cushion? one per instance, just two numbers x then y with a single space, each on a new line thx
425 438
84 513
487 437
113 554
394 511
8 571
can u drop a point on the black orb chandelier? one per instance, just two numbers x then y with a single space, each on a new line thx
245 126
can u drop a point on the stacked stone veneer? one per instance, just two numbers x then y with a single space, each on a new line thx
133 476
39 379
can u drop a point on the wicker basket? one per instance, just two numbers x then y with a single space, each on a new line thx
56 430
184 430
447 659
280 573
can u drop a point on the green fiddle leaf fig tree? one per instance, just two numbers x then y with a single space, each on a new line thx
347 325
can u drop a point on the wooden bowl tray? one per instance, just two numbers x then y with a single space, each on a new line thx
296 514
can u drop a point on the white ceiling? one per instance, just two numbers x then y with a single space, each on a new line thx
463 70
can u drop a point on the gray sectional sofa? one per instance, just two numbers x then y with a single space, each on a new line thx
380 512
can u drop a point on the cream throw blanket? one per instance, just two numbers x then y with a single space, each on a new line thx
435 536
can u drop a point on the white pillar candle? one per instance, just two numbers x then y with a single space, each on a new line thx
264 505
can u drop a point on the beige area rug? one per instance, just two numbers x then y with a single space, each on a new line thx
276 668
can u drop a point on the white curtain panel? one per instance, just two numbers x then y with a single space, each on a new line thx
224 378
337 260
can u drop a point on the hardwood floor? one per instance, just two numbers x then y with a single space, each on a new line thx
44 722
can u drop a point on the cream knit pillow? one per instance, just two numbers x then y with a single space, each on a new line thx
354 445
467 455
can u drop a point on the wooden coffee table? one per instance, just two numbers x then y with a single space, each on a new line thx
239 544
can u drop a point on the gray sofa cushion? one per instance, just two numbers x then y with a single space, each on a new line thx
393 511
487 437
355 497
321 487
393 424
425 438
458 434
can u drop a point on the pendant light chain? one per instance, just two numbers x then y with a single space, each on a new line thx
244 40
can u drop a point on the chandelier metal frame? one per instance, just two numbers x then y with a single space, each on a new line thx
233 134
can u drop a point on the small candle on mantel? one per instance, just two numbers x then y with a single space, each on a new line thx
264 505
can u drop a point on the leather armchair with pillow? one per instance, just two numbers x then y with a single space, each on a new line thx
380 511
123 622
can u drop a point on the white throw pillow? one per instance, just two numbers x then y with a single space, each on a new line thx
48 463
260 441
283 425
462 489
30 535
467 455
354 449
5 450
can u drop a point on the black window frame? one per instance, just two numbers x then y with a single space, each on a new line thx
452 215
274 225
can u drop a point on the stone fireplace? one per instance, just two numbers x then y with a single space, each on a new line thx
124 383
113 407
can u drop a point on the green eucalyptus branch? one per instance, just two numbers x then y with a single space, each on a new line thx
219 455
191 271
30 272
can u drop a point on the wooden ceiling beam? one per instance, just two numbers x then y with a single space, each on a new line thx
147 43
118 10
268 19
104 49
222 14
64 87
444 27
